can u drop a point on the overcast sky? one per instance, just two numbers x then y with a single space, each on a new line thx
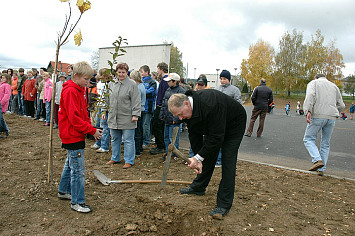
211 34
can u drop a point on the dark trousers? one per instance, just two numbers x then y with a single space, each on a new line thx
254 115
225 194
158 129
29 108
138 136
56 109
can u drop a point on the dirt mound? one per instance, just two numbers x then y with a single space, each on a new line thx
269 201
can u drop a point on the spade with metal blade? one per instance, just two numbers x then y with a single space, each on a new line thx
106 181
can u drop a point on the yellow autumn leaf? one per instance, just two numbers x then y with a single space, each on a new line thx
83 5
78 38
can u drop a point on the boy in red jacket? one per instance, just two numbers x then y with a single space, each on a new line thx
74 123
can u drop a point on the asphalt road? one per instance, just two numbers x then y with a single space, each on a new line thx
282 144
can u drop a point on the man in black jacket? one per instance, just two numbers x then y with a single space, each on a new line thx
214 121
261 98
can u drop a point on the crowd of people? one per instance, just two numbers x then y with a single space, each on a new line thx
130 107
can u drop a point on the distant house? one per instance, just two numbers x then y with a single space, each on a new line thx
62 67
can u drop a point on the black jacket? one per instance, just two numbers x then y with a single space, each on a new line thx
262 97
165 114
217 116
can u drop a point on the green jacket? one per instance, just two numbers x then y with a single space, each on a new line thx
21 80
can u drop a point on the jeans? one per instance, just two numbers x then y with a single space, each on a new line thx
21 107
73 176
158 129
127 136
104 142
48 112
146 118
39 108
310 137
168 135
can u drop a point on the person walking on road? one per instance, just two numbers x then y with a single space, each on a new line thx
322 105
352 110
261 98
214 121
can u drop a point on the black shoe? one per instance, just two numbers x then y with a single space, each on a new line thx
190 190
155 151
248 135
219 211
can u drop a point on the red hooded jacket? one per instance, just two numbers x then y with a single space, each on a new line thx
73 118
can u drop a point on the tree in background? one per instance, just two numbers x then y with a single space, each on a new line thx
260 63
349 85
95 60
176 64
315 56
288 62
334 64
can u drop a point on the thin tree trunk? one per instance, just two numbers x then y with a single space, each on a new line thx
50 158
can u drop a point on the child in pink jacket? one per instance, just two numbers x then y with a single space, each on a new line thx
48 88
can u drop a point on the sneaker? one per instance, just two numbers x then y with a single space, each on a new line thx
127 165
100 150
95 146
36 118
64 196
317 165
145 147
248 135
82 208
55 126
41 119
47 124
190 190
218 212
218 165
156 150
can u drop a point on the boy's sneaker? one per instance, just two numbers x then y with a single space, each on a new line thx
47 124
82 208
64 196
95 146
101 150
41 119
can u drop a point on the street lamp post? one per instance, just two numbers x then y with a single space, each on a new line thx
217 77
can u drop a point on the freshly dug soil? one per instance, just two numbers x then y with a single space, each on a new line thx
268 201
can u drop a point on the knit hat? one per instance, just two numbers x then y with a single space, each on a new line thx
226 74
202 80
62 74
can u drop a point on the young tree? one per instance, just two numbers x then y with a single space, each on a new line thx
260 63
288 61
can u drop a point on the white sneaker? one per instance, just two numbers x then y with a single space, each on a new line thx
100 150
41 119
95 146
82 208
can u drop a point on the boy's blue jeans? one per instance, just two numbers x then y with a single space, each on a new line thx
73 176
146 119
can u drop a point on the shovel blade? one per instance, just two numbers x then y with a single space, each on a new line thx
101 177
